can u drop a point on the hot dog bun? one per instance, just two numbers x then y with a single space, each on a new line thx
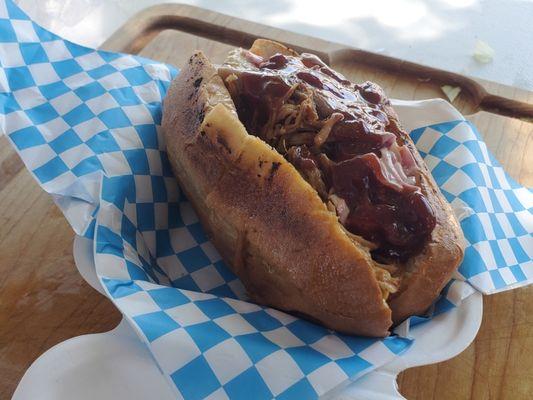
272 228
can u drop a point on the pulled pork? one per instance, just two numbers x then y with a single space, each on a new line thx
345 141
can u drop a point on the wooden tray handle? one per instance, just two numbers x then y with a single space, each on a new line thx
481 99
148 23
507 107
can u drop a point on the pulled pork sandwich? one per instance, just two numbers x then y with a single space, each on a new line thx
310 189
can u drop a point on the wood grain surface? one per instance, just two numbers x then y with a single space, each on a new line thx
44 301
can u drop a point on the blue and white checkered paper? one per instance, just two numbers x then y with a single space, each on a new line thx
495 212
86 124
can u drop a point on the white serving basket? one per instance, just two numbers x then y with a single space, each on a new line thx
116 365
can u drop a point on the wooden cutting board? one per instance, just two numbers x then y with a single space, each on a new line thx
44 301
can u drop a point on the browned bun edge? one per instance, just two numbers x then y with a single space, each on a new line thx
267 48
269 225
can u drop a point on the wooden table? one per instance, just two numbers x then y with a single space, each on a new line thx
44 301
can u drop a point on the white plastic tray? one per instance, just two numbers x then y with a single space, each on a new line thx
116 366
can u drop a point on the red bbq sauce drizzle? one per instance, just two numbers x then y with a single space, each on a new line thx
364 160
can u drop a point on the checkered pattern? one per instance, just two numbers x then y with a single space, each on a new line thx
86 124
74 113
497 213
214 346
160 233
170 282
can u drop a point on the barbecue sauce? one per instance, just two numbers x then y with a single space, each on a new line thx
369 166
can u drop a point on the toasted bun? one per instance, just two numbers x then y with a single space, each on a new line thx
272 228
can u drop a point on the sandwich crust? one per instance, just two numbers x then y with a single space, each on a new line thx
272 228
269 225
